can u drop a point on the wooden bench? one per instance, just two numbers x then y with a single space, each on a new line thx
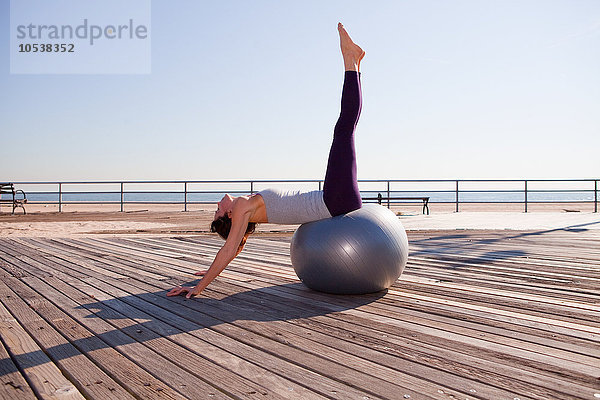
8 195
380 199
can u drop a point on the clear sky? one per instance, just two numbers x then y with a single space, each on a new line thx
250 90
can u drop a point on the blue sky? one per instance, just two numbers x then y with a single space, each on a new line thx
250 90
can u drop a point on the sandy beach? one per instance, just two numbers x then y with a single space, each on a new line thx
153 219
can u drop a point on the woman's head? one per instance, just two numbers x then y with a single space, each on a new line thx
222 221
222 226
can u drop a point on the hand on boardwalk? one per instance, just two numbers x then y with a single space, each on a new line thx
182 290
186 289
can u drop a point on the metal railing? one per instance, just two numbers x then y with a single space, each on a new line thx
186 193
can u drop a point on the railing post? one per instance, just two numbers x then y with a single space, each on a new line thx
60 197
595 196
456 196
388 193
251 187
320 185
121 196
185 196
525 196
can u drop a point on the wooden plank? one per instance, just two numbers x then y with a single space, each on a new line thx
487 323
151 363
128 261
369 320
84 260
190 384
45 378
146 272
516 288
533 268
377 385
525 243
456 361
12 384
221 338
24 267
450 321
543 312
113 364
289 389
142 327
90 379
565 312
469 310
362 358
390 333
507 272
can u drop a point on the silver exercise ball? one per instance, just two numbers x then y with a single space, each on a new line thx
364 251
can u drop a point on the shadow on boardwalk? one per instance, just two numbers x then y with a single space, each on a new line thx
468 244
149 317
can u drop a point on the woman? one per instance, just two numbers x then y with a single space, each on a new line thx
236 217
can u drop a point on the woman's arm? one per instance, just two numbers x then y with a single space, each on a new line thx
239 250
236 240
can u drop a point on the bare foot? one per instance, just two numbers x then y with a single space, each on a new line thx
351 52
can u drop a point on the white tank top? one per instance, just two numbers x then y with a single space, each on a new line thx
293 206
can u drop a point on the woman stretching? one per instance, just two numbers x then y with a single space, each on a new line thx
236 217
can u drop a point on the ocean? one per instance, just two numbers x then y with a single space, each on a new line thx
435 196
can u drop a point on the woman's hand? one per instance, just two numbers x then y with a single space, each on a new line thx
191 291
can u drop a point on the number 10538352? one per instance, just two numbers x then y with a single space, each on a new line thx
46 48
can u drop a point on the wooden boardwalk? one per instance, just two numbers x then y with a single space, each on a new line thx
492 315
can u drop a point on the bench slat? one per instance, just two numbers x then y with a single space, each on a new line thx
381 198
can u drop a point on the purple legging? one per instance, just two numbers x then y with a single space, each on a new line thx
340 189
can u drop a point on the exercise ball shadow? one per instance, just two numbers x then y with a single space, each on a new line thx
364 251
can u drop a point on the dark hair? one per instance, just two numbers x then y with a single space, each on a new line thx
222 226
